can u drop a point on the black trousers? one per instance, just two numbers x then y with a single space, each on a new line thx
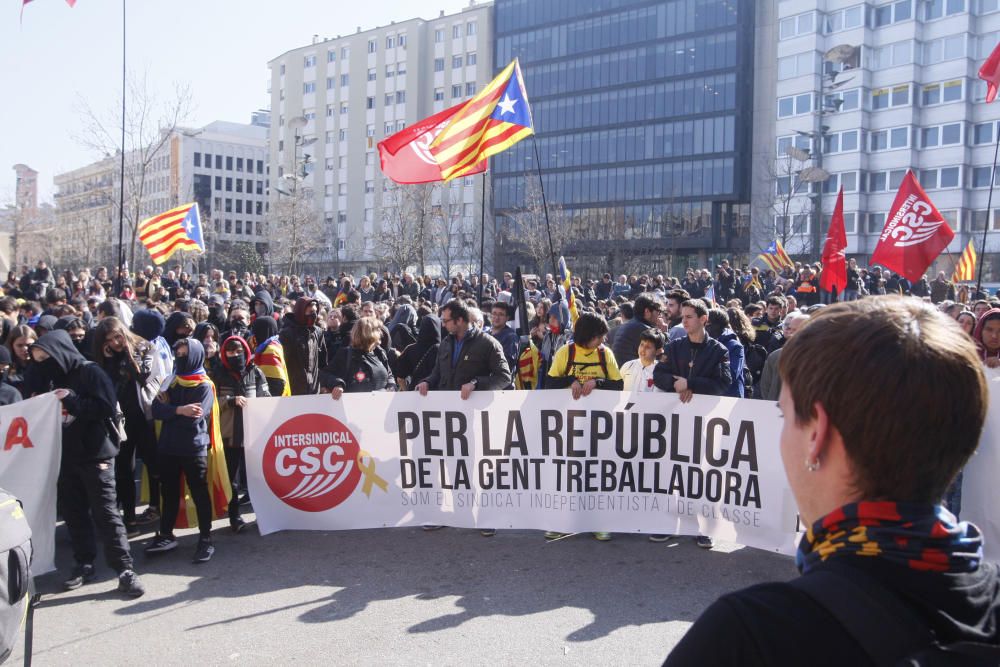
235 464
195 469
87 499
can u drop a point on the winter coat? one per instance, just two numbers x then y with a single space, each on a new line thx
418 359
710 373
180 435
304 347
356 370
736 362
626 343
479 357
230 383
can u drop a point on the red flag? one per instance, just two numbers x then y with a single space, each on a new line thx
71 3
990 73
406 155
834 273
915 232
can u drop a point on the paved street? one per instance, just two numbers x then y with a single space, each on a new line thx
401 596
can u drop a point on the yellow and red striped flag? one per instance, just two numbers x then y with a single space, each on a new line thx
966 267
776 258
166 233
490 123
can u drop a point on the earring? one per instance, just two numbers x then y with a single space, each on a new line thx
812 466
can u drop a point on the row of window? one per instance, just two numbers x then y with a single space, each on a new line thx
250 187
226 227
669 181
808 23
230 162
457 62
241 206
456 31
938 178
638 65
876 99
520 14
874 223
391 42
933 136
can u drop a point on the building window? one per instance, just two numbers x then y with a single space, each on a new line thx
795 105
935 9
369 187
345 52
945 48
401 40
345 79
892 13
369 102
371 46
456 31
390 71
401 97
456 91
331 56
981 177
982 133
342 189
456 62
229 163
890 139
885 98
439 64
793 26
844 19
846 100
229 226
941 135
891 55
218 182
390 42
470 58
940 93
401 68
388 99
218 162
309 61
876 221
239 206
342 135
343 108
438 36
229 184
342 162
197 159
470 88
438 94
208 160
308 87
372 75
797 65
470 28
229 206
935 179
330 82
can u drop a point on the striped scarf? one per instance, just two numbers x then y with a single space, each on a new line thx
270 359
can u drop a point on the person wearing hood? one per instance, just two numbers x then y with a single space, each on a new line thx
8 394
188 414
86 486
987 337
718 328
269 356
303 345
45 324
236 379
179 325
239 323
418 360
557 334
888 575
403 327
81 336
261 305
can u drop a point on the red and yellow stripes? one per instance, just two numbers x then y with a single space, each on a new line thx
270 359
966 267
164 234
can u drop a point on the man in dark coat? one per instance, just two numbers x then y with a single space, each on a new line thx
468 359
303 345
646 313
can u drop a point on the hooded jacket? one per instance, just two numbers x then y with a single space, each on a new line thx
418 359
200 333
91 399
170 329
303 347
355 370
977 333
264 329
403 327
232 382
262 297
180 435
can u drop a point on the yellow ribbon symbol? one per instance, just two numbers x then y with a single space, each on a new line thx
371 476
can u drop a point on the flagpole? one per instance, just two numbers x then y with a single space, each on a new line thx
482 241
121 183
989 211
545 206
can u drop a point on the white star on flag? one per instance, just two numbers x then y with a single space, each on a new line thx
506 105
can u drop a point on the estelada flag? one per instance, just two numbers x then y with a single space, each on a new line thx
834 274
990 73
406 156
915 232
166 233
965 270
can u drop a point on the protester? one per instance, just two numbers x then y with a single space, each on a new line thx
646 314
888 575
361 366
19 342
770 383
718 329
303 346
987 337
269 356
86 486
500 314
637 374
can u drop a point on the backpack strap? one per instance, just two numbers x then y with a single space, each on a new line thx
570 358
602 356
876 619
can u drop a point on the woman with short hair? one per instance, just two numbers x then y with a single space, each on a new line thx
361 366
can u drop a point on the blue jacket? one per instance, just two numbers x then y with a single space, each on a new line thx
179 435
736 362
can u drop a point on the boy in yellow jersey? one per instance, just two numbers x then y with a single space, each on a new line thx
583 365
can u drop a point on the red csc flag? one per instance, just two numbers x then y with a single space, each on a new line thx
834 273
990 73
915 233
406 155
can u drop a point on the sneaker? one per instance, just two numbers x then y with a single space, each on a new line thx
488 532
82 574
659 538
161 544
204 552
704 541
554 535
151 515
429 526
132 529
237 525
129 584
602 537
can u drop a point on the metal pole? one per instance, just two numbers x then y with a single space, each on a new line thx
989 211
545 206
482 240
121 183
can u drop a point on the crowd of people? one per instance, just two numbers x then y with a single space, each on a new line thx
158 365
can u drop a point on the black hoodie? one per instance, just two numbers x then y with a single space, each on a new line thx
262 297
304 347
175 320
418 359
91 399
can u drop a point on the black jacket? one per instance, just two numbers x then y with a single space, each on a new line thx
354 370
304 348
480 358
710 374
418 360
179 435
626 343
229 384
91 399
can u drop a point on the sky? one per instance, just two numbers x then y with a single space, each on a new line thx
57 56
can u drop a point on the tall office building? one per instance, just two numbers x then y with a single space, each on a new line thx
642 115
863 92
333 100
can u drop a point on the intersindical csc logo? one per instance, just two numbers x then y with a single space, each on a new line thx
312 462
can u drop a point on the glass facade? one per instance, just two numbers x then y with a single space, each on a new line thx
642 112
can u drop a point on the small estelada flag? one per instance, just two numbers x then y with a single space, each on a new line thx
915 232
166 233
965 270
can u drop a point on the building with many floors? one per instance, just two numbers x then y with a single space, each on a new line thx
853 95
334 99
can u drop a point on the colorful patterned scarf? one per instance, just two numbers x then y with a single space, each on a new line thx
269 357
922 537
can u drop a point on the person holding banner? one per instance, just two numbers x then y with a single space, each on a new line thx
86 487
889 576
361 366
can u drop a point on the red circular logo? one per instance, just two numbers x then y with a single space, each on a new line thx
310 462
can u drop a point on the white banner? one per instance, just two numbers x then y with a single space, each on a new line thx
980 491
29 466
518 459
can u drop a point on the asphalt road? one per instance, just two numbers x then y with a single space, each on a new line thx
395 596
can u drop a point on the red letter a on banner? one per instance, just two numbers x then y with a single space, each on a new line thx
17 434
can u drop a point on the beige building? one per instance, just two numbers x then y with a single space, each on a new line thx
333 100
